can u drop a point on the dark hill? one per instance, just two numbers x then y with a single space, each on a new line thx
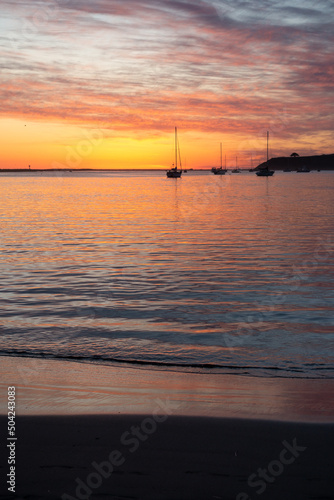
321 162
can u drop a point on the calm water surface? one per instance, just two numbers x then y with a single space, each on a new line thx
232 274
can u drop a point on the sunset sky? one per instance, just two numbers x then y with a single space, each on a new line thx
103 83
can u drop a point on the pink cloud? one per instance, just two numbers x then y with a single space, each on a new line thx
143 64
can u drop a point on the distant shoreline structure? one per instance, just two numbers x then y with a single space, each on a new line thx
293 163
296 162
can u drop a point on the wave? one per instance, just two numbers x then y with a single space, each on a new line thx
309 371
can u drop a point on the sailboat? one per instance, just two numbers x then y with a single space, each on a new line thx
174 172
236 170
264 171
219 171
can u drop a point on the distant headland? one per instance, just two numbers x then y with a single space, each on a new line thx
296 162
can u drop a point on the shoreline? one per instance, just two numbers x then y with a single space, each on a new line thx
162 169
58 387
87 432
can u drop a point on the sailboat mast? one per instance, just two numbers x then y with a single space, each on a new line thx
221 155
267 145
176 147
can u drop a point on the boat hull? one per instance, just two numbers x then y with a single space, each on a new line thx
173 174
265 173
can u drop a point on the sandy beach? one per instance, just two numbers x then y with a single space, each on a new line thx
88 431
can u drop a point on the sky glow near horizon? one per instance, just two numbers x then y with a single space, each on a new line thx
128 72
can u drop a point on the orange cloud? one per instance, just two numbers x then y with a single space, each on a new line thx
138 68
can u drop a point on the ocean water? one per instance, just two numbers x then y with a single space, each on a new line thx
230 274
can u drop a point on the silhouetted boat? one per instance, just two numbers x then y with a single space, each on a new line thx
236 170
220 170
264 171
174 172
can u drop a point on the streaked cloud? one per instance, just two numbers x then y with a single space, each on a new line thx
135 65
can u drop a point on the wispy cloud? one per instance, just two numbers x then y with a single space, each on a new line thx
142 64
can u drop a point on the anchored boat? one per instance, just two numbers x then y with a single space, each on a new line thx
220 170
264 171
174 172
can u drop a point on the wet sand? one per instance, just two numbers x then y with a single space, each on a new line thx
55 387
117 433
